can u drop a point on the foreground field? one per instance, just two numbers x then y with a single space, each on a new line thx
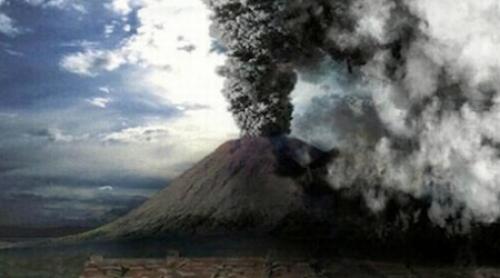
61 265
258 267
220 257
24 265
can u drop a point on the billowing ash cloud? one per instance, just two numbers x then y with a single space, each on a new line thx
428 122
259 77
267 41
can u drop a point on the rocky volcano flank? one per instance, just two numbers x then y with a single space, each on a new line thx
252 185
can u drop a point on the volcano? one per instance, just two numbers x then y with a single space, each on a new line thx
253 185
275 186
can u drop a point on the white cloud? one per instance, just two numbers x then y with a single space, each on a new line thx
58 136
122 7
59 4
91 62
141 134
81 43
109 30
14 53
100 102
180 77
7 26
105 90
158 49
166 148
174 76
106 188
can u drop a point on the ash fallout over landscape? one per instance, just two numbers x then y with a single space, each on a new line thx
414 106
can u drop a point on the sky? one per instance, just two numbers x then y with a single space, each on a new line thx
102 103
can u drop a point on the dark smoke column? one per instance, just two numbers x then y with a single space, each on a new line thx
259 77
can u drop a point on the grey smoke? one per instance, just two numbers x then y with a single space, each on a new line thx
428 120
267 42
259 80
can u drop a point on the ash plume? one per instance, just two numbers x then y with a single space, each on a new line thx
428 120
259 80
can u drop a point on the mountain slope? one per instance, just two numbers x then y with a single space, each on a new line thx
250 185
